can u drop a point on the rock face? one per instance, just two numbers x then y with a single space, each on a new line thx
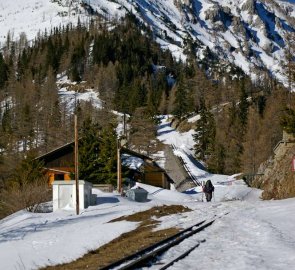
249 6
278 179
67 3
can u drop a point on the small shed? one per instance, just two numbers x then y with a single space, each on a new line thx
137 194
150 172
64 194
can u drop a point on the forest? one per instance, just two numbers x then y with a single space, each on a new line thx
241 120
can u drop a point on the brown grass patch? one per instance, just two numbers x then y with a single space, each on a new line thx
130 242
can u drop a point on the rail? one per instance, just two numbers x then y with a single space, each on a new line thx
147 256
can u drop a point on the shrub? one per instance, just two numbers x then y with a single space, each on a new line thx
26 189
27 195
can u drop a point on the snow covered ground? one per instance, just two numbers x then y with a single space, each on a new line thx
253 234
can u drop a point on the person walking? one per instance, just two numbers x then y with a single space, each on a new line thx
208 189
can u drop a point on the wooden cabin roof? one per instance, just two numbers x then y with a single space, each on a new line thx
57 153
148 161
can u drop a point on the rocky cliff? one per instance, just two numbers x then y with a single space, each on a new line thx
278 179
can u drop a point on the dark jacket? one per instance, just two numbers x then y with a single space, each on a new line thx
208 188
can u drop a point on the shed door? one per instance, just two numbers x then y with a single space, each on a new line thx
65 196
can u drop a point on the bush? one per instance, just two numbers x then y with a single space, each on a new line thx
26 189
27 195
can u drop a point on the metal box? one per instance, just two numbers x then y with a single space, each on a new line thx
137 194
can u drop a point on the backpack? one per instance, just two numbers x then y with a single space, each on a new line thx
208 187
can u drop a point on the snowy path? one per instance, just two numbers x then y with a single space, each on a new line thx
249 237
183 143
254 235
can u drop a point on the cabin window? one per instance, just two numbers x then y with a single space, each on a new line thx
59 177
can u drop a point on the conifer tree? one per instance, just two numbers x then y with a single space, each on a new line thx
288 121
108 155
3 71
234 140
216 161
205 131
97 153
29 170
181 99
243 106
50 111
89 147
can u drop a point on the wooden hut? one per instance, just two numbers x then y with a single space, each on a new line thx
59 165
151 172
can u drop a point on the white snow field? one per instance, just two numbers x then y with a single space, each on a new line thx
250 233
253 235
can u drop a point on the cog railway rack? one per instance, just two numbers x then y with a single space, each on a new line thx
150 255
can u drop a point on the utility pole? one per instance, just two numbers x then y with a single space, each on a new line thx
124 125
119 174
76 165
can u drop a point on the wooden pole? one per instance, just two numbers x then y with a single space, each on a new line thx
119 175
76 165
124 126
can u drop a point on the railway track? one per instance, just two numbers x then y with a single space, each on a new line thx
149 256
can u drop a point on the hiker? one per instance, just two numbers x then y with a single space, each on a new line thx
208 189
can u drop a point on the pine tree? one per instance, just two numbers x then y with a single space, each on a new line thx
181 99
29 170
289 53
288 121
89 147
97 153
50 111
205 131
3 71
234 140
243 107
216 161
108 155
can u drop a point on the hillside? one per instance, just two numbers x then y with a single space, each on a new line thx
213 100
36 240
252 35
106 70
277 179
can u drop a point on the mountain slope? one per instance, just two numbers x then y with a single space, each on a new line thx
250 34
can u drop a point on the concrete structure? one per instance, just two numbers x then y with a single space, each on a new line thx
104 187
286 143
64 194
137 194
